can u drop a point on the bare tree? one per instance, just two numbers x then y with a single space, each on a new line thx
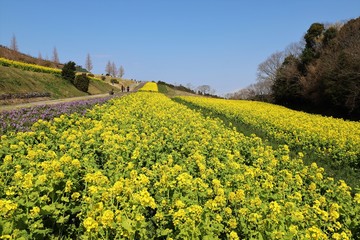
55 57
40 56
190 86
13 44
295 48
205 89
246 93
121 71
108 68
267 70
113 69
88 63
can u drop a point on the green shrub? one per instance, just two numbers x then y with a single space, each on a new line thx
103 78
82 82
114 80
91 75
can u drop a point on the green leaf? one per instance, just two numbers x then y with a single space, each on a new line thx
49 208
127 225
63 219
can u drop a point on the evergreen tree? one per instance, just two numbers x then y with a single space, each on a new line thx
68 71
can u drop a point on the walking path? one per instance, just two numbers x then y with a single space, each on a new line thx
63 100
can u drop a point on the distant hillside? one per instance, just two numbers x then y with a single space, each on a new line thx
24 84
6 52
17 81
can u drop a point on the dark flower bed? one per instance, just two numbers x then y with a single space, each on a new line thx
24 95
22 119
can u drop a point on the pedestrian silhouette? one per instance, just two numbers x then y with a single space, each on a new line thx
128 88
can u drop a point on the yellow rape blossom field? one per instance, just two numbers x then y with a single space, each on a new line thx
29 67
325 137
149 87
145 167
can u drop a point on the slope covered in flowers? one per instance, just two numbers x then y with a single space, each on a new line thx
324 136
149 87
145 167
29 67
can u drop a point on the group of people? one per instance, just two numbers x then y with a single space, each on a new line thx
123 89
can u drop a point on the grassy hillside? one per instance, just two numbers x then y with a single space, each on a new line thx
13 80
171 92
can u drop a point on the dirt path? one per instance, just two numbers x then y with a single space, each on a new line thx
134 88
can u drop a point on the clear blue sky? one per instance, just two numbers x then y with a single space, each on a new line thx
214 42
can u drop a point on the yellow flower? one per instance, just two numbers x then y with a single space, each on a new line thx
179 216
7 159
255 202
34 212
107 218
218 218
28 178
59 175
336 236
228 211
240 195
277 235
14 147
10 191
139 217
68 186
293 229
357 198
315 233
318 176
232 223
76 163
312 186
18 175
275 208
93 190
7 207
42 178
243 211
44 198
233 236
75 196
334 212
297 216
179 204
254 217
90 224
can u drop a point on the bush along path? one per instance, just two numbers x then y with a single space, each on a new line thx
145 167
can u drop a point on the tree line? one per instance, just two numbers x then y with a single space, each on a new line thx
319 74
